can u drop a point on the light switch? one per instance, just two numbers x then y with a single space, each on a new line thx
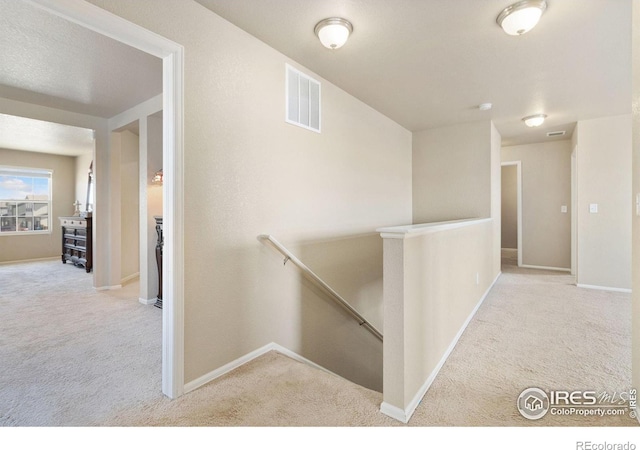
563 209
637 204
593 208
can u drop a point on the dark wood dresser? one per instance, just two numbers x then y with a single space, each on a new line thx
76 241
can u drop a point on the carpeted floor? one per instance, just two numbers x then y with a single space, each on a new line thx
71 355
535 329
94 359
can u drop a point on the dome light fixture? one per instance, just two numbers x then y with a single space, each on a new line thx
534 121
333 32
521 17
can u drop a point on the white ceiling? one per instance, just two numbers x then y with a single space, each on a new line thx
423 63
49 61
19 133
430 63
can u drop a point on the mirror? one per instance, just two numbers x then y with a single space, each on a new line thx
89 203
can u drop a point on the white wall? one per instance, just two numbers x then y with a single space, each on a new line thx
452 172
496 198
129 205
635 316
247 172
509 207
604 178
546 187
148 151
83 162
456 175
434 280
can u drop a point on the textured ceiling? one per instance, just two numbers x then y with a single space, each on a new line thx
19 133
429 63
423 63
46 60
49 61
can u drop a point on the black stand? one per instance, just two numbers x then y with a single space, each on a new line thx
159 244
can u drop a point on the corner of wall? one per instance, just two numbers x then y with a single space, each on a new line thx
635 303
496 197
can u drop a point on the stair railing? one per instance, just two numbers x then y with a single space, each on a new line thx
315 279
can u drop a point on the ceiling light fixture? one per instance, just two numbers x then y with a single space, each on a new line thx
521 17
534 121
485 106
333 32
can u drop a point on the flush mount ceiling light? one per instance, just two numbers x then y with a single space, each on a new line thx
535 120
333 32
521 17
485 106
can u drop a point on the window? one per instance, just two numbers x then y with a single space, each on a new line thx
25 200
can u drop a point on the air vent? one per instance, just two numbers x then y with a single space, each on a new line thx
303 100
555 133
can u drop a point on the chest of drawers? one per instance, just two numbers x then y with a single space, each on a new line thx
76 241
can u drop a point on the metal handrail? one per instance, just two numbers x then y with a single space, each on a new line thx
310 275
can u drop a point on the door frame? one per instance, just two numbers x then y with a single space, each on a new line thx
518 165
172 55
574 211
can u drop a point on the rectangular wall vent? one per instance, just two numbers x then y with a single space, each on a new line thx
303 100
555 133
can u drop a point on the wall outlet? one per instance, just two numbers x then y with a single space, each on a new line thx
563 209
593 208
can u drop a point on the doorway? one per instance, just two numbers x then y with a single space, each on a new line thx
105 23
511 237
574 212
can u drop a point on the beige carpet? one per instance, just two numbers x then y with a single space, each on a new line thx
535 329
70 355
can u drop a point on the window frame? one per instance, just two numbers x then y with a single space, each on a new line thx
34 173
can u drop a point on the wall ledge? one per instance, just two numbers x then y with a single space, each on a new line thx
407 231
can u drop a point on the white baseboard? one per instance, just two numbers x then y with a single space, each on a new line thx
604 288
405 415
147 301
204 379
131 277
109 288
50 258
558 269
394 412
